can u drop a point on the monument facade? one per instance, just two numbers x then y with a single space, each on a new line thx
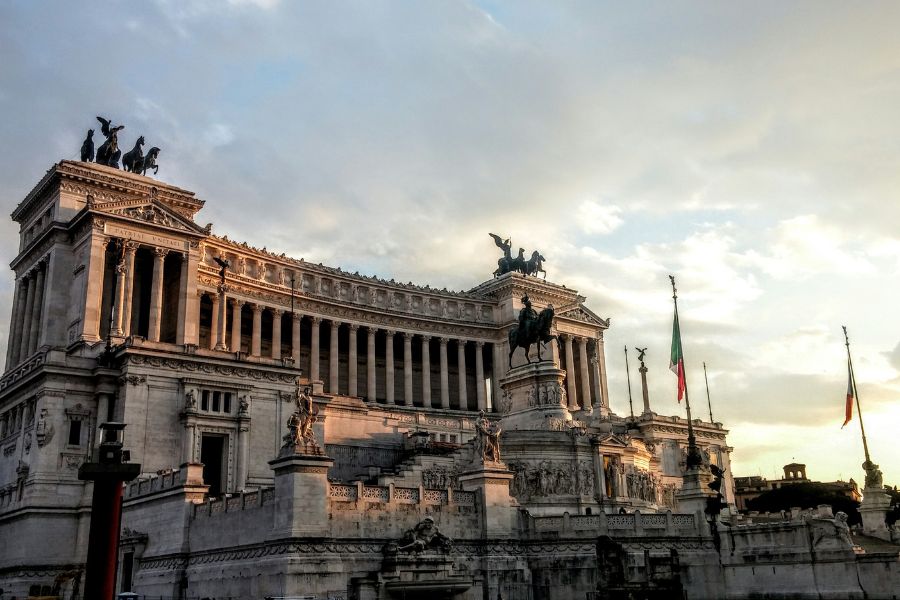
305 430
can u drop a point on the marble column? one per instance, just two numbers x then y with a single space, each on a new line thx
389 367
30 282
445 376
276 333
601 369
314 349
256 333
571 388
333 363
94 274
461 368
479 376
37 309
407 369
236 306
371 391
119 301
189 441
14 324
585 374
130 250
426 371
243 452
295 338
156 294
214 322
352 361
183 315
223 319
496 373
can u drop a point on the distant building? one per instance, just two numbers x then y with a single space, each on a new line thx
748 488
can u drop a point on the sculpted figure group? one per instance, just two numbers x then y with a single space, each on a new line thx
109 153
487 440
519 264
300 436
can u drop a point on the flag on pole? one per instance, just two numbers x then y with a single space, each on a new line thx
848 409
676 361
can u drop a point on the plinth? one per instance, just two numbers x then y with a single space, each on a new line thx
694 496
534 397
301 495
490 480
873 509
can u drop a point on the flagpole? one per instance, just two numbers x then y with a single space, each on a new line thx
693 456
628 374
708 401
862 429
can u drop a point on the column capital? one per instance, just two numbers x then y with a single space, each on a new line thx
408 335
479 344
461 342
315 320
276 312
389 332
335 322
297 317
353 327
237 302
425 338
443 340
131 247
160 252
257 308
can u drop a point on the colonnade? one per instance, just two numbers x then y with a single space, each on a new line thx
27 314
585 382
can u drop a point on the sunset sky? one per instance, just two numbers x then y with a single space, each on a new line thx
753 150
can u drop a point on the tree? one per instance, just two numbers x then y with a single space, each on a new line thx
805 495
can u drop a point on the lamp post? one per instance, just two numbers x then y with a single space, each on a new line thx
110 469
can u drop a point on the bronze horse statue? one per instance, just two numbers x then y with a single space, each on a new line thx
535 264
134 158
108 153
535 331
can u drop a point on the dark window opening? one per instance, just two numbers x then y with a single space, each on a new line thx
75 433
226 402
212 453
127 571
204 402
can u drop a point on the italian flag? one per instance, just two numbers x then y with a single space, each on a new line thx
676 361
848 408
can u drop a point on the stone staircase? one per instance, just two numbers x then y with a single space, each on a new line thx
430 470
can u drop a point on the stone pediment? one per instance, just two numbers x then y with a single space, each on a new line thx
611 439
150 212
582 314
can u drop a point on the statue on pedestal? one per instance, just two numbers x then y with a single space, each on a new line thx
300 437
487 439
520 264
108 153
873 475
533 328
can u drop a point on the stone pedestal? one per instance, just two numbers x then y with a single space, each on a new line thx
491 482
301 495
694 495
873 509
535 397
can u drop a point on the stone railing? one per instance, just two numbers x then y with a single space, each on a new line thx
387 494
235 502
21 370
164 480
635 523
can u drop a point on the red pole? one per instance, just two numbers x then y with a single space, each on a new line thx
103 541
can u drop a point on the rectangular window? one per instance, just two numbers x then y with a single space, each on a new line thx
226 402
75 433
216 396
127 570
204 402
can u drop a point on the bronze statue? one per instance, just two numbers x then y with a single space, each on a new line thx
487 440
150 161
134 158
641 353
223 264
533 328
507 263
108 153
87 147
300 423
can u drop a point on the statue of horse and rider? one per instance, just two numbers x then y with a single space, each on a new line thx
520 264
109 153
533 328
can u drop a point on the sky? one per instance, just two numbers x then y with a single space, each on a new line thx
751 150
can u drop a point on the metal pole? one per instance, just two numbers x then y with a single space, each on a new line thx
628 375
862 429
693 458
708 401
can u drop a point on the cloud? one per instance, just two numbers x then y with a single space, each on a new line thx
597 218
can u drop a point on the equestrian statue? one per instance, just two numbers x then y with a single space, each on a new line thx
533 328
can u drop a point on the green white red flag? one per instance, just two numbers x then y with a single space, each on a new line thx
676 360
848 408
